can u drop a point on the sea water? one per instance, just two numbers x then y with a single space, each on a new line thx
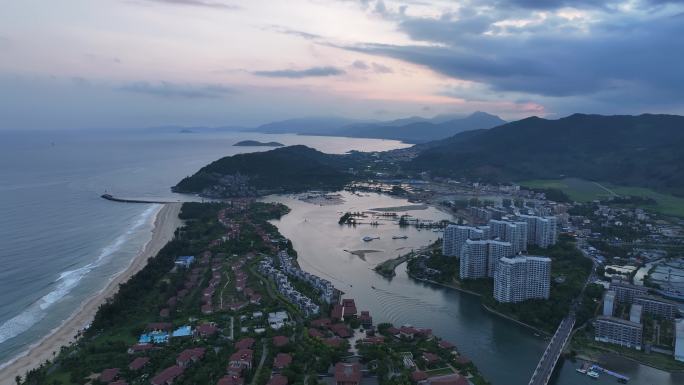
60 242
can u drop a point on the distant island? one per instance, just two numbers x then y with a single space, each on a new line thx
256 143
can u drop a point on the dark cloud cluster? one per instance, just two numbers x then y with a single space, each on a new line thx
632 57
301 73
177 91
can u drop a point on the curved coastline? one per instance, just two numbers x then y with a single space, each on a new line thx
165 224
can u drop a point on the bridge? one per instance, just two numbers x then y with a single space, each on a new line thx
548 361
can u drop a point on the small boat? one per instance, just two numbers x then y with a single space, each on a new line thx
400 237
373 287
593 374
580 370
369 238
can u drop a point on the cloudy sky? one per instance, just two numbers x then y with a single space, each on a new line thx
138 63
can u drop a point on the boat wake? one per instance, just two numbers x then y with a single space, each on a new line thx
66 282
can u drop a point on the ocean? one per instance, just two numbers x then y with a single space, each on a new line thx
61 243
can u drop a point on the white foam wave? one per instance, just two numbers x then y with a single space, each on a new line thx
66 282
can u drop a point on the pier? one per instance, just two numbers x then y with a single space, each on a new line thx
620 377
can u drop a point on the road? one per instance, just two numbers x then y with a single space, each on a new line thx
545 367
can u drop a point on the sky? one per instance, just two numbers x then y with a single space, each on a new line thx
141 63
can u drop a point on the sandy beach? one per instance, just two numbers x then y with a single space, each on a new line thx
166 222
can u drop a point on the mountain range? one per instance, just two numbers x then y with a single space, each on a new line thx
411 130
644 150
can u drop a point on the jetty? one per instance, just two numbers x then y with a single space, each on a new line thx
112 198
620 377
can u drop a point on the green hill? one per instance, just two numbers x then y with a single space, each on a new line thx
283 170
644 150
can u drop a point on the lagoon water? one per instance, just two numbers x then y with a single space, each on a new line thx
505 352
60 242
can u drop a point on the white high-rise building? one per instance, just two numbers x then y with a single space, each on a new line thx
541 231
521 278
479 258
513 232
679 340
609 303
474 262
455 236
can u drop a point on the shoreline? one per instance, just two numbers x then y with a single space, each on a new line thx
165 224
509 318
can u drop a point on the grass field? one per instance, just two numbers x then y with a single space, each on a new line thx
581 190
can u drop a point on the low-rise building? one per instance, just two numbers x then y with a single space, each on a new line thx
618 331
679 340
625 292
347 373
658 307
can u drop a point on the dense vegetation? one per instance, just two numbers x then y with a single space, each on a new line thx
642 150
287 169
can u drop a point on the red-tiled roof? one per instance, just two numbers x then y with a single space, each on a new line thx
167 375
418 375
242 355
231 380
138 363
336 312
206 330
278 380
321 322
345 372
454 379
282 360
280 341
245 343
190 355
109 375
446 345
159 326
341 330
314 333
333 341
431 358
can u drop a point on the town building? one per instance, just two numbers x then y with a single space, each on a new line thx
626 292
521 278
541 231
657 307
347 373
455 237
679 340
479 258
609 303
508 231
618 331
635 313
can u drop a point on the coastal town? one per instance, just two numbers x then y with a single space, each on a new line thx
225 303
